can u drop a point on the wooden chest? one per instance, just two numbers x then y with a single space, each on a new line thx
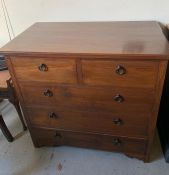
95 85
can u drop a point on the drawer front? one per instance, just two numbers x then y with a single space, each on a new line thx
140 74
108 123
89 99
45 70
105 142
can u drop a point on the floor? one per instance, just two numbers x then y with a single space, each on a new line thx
21 158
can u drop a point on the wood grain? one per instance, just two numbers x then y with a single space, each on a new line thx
4 76
58 71
91 39
88 98
81 82
96 141
140 74
132 124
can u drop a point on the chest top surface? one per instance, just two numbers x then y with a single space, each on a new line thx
91 38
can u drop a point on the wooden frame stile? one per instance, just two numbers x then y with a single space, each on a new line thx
159 87
79 71
19 94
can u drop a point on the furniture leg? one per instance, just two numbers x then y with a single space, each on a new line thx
14 100
5 130
18 109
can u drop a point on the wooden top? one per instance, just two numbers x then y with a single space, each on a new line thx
4 77
90 38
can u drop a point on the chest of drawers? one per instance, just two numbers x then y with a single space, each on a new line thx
94 85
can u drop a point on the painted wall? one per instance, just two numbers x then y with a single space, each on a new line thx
24 13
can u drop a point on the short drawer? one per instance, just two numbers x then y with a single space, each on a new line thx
46 137
45 70
140 74
97 122
89 99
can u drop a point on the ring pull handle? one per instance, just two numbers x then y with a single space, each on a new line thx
118 98
52 115
58 135
117 121
120 70
116 142
43 67
48 93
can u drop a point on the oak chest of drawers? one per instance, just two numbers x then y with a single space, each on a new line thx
95 85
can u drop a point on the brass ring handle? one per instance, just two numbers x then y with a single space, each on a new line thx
117 121
120 70
52 115
58 135
43 67
116 142
48 93
118 98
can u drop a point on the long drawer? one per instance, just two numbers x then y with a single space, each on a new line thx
89 99
45 70
46 137
97 122
140 74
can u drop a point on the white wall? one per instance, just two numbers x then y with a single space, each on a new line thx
24 13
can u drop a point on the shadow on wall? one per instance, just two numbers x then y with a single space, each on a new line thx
165 29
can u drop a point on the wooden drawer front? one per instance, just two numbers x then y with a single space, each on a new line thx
140 74
90 99
105 142
108 123
45 70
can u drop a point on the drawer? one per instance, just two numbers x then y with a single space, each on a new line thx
46 137
45 70
140 74
97 122
89 99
